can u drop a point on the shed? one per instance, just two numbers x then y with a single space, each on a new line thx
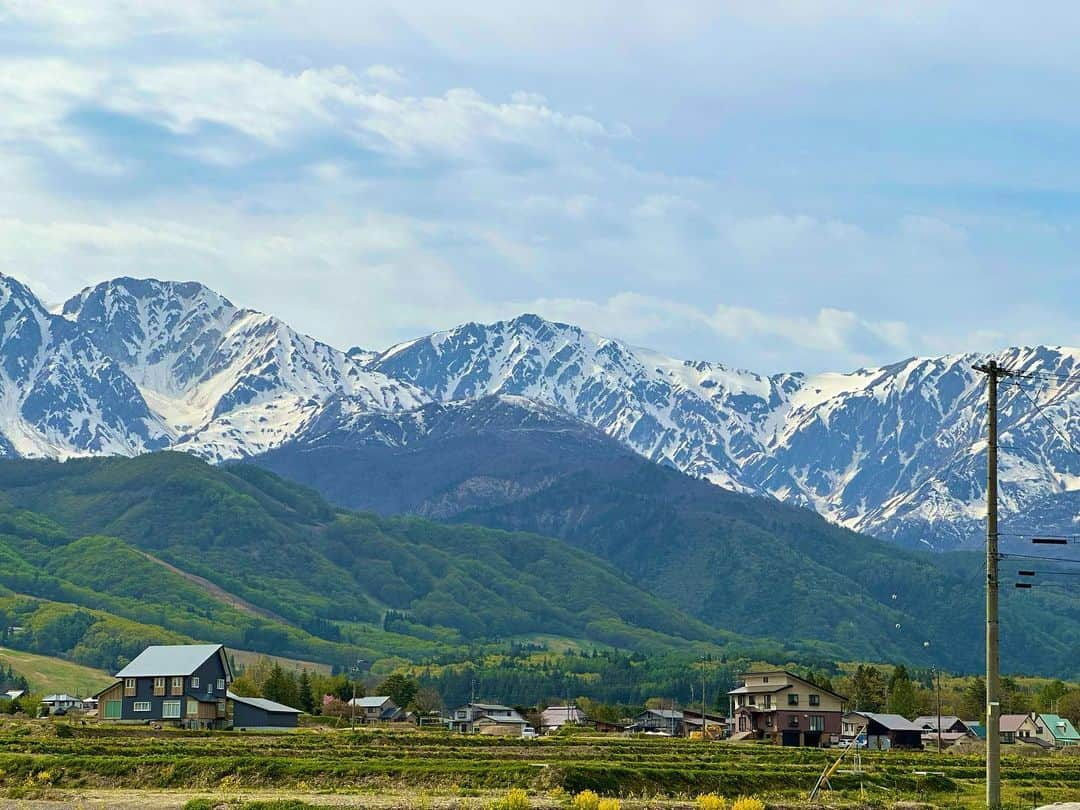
885 731
260 714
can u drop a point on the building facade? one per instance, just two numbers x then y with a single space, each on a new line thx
184 684
783 708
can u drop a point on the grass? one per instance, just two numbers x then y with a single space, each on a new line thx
36 760
47 674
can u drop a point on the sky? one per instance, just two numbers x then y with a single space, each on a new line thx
773 184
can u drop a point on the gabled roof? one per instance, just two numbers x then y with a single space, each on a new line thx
63 698
14 694
263 703
667 714
930 721
1060 727
1010 723
893 722
371 702
172 660
489 707
514 718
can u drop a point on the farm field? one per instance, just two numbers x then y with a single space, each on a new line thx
52 763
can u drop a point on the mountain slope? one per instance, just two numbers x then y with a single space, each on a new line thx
744 563
895 452
60 395
80 533
229 382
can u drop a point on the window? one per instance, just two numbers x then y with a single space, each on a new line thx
142 706
170 710
461 715
817 722
815 700
129 687
792 700
194 681
768 720
178 686
192 708
794 721
159 686
220 684
221 708
765 679
752 700
767 702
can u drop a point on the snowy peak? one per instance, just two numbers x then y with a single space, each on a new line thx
59 394
228 382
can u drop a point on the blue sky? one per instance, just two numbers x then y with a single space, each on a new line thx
773 185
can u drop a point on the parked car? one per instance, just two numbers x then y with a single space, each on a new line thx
855 742
529 733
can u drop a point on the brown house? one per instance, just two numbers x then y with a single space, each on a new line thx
783 708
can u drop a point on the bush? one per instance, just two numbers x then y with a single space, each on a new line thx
199 804
748 803
608 804
586 800
516 799
710 801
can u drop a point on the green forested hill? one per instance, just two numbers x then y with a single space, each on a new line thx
747 564
110 550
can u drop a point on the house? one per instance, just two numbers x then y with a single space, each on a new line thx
882 732
13 694
259 714
555 717
1058 731
950 724
977 729
181 684
378 709
62 703
659 721
488 718
1020 728
782 707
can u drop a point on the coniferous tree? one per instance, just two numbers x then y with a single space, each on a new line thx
305 698
281 687
902 699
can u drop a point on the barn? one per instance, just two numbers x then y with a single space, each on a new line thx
260 714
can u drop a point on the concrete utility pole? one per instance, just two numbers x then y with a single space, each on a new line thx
703 737
993 676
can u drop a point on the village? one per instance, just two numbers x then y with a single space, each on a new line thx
190 687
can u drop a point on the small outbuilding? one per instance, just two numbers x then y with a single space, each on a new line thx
260 714
882 731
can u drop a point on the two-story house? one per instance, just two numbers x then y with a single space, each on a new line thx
183 684
488 718
782 707
377 709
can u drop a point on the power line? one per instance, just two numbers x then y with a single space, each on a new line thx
1045 558
1065 438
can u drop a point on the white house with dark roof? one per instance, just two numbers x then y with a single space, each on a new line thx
488 718
377 709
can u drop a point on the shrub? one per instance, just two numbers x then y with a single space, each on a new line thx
199 804
608 804
748 803
710 801
586 800
516 799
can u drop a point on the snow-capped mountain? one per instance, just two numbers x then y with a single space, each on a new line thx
138 365
228 382
896 451
59 394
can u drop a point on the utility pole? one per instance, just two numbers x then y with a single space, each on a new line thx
937 679
993 676
703 736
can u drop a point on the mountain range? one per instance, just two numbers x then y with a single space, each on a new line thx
132 366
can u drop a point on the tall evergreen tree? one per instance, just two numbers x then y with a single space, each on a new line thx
305 698
902 699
